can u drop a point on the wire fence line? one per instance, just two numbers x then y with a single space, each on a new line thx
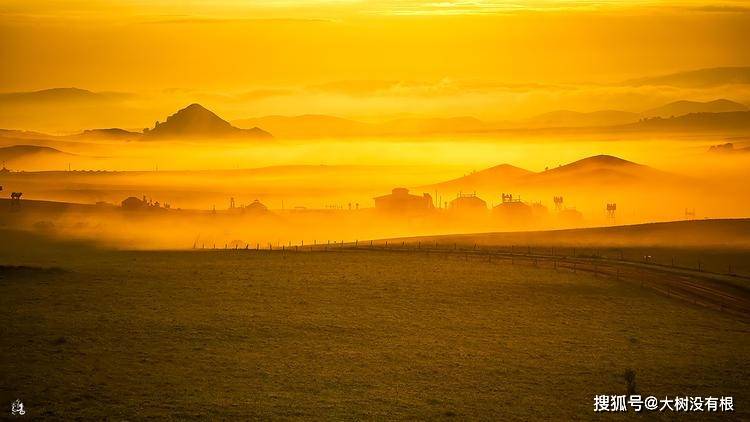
651 256
726 292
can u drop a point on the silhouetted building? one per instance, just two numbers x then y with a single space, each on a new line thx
512 210
468 202
133 203
401 201
257 207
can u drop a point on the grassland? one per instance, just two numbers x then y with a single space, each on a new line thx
346 335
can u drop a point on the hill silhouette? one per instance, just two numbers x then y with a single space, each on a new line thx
111 133
18 152
195 121
700 78
602 170
705 122
599 169
57 95
567 118
321 126
308 126
729 148
679 108
481 180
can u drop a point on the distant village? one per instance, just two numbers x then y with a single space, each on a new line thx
401 203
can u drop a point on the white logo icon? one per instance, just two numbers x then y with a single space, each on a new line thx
16 408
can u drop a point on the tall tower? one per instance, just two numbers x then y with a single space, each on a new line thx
558 200
611 210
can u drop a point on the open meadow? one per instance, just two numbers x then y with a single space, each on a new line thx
91 333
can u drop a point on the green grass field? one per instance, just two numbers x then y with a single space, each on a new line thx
344 335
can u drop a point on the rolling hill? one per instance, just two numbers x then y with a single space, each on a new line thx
15 154
700 78
567 118
483 179
57 95
679 108
597 170
322 126
111 133
736 121
307 126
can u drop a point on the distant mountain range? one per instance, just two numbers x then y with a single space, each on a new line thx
701 78
736 121
197 122
567 118
59 95
597 170
321 126
679 108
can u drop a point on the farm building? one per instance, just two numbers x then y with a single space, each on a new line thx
133 203
468 202
257 207
400 200
512 210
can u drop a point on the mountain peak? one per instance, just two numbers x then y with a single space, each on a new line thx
198 121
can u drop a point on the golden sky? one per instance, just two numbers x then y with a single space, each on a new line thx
260 51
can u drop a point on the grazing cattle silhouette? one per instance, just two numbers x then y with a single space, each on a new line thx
16 195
